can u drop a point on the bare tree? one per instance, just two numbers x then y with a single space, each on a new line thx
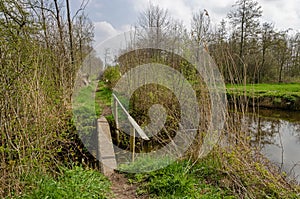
267 34
281 52
83 35
200 26
70 32
156 18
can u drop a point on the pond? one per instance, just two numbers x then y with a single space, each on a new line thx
277 132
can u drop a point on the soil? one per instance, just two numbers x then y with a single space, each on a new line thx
106 110
122 189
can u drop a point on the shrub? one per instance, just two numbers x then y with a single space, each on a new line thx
111 75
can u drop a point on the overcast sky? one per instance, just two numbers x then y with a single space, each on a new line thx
111 17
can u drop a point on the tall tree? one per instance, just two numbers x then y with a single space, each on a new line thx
267 34
154 17
281 52
295 53
245 21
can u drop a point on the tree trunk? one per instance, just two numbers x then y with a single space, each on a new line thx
280 72
70 32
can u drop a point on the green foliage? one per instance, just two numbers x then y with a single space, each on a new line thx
72 183
111 75
277 100
146 163
86 105
208 178
85 113
37 77
180 179
172 181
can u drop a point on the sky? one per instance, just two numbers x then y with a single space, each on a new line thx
112 17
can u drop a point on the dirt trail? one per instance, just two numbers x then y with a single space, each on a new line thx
121 188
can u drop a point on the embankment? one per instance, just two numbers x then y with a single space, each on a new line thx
270 102
272 96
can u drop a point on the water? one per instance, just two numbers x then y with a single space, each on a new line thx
278 134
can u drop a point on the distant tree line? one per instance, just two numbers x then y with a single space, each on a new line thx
258 51
245 49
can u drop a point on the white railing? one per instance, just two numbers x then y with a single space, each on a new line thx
134 126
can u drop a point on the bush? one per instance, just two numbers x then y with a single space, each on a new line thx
111 75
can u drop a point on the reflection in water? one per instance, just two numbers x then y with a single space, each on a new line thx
278 135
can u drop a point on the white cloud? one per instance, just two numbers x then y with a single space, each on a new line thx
94 3
283 13
105 27
105 30
177 9
183 9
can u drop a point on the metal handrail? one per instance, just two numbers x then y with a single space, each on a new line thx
134 125
131 120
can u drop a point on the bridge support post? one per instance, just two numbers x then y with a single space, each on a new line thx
117 121
132 141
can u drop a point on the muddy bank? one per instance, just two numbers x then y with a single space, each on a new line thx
270 102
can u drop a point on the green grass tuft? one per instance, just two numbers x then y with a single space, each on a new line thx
73 183
180 179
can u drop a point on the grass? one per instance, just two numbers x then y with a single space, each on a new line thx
103 96
146 163
84 99
180 179
289 91
210 177
72 183
88 105
86 102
